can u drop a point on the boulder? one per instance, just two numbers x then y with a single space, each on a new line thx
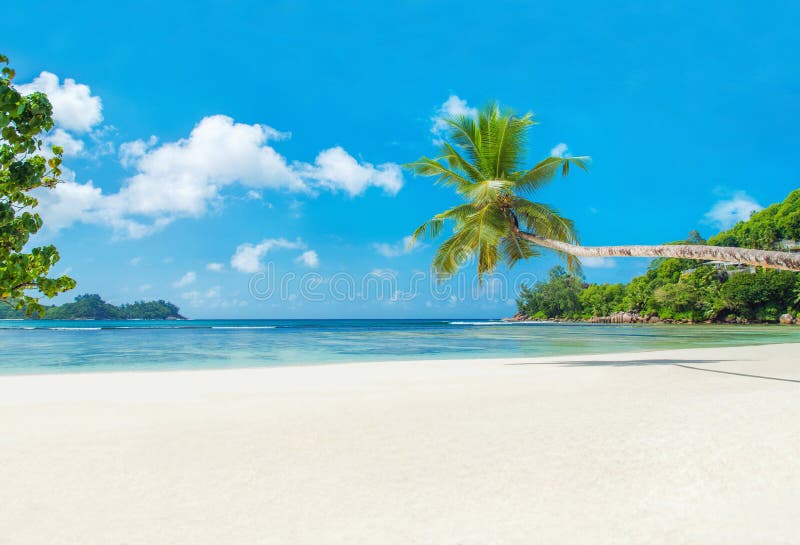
627 318
786 319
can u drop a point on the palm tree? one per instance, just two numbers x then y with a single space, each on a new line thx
482 159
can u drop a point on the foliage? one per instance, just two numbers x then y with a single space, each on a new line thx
23 169
89 306
559 296
700 294
482 159
601 299
93 307
762 296
149 310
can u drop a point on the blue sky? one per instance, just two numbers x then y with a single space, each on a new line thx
210 143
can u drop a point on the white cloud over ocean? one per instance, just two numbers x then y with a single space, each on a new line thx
248 257
184 178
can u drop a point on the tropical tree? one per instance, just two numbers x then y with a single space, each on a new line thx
482 158
23 169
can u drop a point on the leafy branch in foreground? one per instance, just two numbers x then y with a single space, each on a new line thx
482 159
24 169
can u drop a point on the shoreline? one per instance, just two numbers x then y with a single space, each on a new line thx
689 445
502 360
634 318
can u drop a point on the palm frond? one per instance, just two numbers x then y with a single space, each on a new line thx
433 227
545 171
487 191
457 162
451 254
466 135
544 221
479 232
504 137
482 159
514 249
445 176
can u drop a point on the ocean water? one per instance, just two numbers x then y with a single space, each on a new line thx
69 346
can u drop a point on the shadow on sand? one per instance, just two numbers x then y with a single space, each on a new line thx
677 362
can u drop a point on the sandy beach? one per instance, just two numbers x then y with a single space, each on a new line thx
684 446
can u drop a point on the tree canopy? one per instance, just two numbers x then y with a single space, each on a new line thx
91 306
25 167
483 158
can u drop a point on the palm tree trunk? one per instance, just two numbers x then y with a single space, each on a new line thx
762 258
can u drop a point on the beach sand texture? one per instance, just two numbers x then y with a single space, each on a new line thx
650 447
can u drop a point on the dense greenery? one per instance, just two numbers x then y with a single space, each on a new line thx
93 307
669 292
23 169
682 289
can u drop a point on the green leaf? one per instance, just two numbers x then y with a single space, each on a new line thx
24 120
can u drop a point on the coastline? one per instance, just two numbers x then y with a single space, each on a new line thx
692 445
629 318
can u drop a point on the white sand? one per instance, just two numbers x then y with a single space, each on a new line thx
457 452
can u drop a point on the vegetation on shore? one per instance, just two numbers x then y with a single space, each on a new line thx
682 289
93 307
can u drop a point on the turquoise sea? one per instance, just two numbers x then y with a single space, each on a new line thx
70 346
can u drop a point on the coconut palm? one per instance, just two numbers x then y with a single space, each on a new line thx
482 159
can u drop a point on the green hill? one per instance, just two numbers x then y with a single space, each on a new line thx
93 307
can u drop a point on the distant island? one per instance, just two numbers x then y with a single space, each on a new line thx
91 306
682 290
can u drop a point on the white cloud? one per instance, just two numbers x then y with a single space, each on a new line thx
76 116
215 267
185 280
69 200
559 150
181 178
198 298
598 262
335 169
131 152
726 213
186 177
247 257
452 107
72 146
135 261
395 249
74 107
309 258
